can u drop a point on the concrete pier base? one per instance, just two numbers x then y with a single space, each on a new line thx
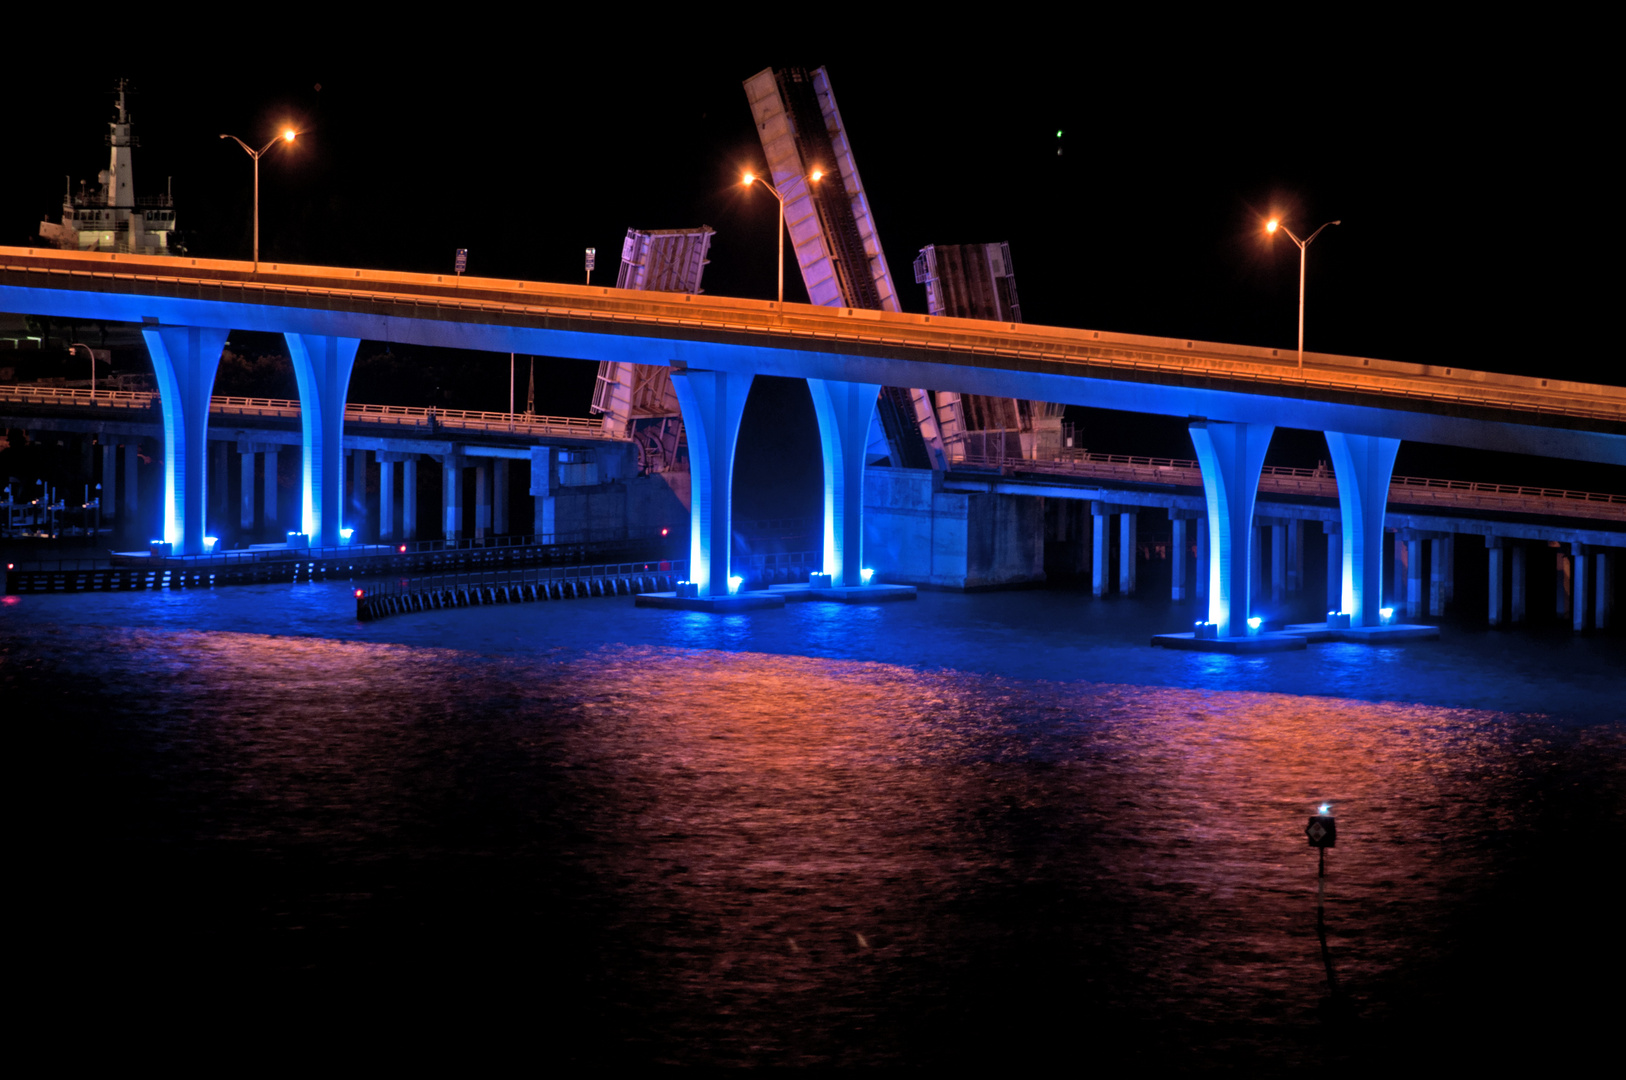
843 594
1267 642
1364 635
717 605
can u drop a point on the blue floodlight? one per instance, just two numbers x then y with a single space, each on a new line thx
346 534
209 543
734 584
1326 808
1386 613
865 574
1255 622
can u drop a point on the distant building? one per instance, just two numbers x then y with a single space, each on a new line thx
112 218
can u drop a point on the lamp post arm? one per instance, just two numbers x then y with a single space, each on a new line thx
247 149
1316 233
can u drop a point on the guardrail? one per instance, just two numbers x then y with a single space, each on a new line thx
428 419
1402 489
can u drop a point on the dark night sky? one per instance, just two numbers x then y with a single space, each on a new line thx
1463 172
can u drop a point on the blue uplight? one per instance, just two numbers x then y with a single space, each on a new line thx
1326 808
209 543
734 584
1255 622
865 574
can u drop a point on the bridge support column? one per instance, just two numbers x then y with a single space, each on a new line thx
245 495
1561 605
386 498
357 515
544 523
1517 584
1578 580
1177 553
1231 456
1603 571
1363 465
845 411
1414 578
1256 562
322 366
1494 596
1436 575
272 488
712 403
1449 575
451 489
129 514
1100 551
1199 576
1295 556
110 482
185 358
499 496
1278 562
482 500
1128 550
217 483
409 498
1335 564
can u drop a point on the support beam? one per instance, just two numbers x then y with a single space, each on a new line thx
1603 572
386 499
1335 564
845 411
1231 456
451 494
322 366
482 500
185 359
110 482
245 494
1578 576
1363 465
1177 556
499 496
273 489
409 499
1414 578
1494 602
1100 552
1436 576
712 403
1128 550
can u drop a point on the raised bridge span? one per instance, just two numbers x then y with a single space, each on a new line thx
1235 395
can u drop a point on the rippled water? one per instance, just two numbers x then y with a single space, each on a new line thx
974 829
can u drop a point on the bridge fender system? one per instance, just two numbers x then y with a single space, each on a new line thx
322 366
845 411
712 404
185 359
1231 457
1363 465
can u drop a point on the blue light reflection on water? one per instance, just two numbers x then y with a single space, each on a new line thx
830 833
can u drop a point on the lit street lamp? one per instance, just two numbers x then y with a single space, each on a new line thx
816 175
1270 227
287 136
90 353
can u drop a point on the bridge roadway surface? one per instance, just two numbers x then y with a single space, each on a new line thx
1443 403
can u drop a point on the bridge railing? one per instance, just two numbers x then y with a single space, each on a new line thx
429 419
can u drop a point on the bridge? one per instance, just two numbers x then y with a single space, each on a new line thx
1234 396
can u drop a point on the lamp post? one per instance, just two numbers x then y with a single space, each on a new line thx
751 178
287 136
1270 227
90 353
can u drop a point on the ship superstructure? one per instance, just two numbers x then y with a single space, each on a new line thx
111 217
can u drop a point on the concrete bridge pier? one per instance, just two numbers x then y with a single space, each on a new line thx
1436 575
1100 549
1516 583
451 488
1295 555
357 512
1231 456
245 493
185 359
1335 564
1363 465
1199 575
499 496
1414 577
110 481
409 497
322 366
1278 562
1578 586
1177 555
129 512
217 482
386 497
272 490
712 403
1495 602
1603 572
482 500
844 411
1128 549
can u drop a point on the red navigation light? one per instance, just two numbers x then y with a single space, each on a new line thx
360 593
402 549
664 531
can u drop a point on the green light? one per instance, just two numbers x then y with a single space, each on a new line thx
1058 134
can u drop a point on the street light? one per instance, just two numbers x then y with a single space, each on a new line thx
90 353
287 136
751 178
1270 227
